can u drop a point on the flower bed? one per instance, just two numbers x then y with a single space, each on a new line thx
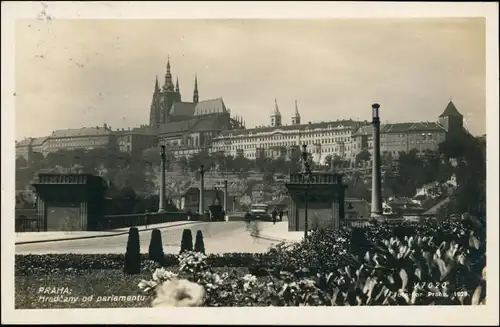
408 264
57 263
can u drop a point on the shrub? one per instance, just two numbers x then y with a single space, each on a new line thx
133 255
199 245
186 241
156 247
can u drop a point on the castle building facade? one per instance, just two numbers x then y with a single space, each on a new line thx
344 139
276 140
403 137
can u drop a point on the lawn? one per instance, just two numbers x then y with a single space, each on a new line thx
97 288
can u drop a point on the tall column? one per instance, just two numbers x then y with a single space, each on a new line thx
376 207
202 189
306 173
225 197
161 206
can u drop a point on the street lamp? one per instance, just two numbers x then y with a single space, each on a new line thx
161 205
306 176
202 191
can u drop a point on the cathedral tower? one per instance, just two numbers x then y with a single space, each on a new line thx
196 97
452 120
296 115
276 116
168 95
154 109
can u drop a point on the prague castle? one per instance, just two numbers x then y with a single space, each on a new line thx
188 127
185 127
342 138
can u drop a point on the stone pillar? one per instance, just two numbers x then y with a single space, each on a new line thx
225 197
202 190
161 206
376 206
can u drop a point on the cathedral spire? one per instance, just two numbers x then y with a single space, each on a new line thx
276 108
276 116
169 85
153 114
296 109
177 85
195 93
296 116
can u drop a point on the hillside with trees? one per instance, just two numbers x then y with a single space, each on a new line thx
465 159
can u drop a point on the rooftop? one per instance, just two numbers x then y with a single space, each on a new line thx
349 124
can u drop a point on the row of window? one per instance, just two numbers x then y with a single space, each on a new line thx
249 138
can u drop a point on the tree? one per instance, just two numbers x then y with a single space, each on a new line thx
363 156
186 241
337 161
268 178
329 161
156 247
132 264
183 164
199 245
21 162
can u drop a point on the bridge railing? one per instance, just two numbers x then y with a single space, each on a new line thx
24 224
140 219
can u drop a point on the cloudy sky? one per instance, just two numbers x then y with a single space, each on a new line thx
76 73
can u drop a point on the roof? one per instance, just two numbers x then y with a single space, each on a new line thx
209 123
210 107
363 130
85 131
137 131
31 141
39 140
177 127
451 110
25 142
408 127
303 127
401 128
195 124
182 109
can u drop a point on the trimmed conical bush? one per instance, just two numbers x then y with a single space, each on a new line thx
156 247
199 244
186 241
133 255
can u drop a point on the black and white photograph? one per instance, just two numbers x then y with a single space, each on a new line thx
206 159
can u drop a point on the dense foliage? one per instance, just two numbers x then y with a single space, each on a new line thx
435 265
384 264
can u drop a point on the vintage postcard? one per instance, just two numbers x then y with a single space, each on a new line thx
227 163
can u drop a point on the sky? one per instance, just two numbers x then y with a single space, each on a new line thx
83 73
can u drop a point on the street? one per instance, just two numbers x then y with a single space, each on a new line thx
218 237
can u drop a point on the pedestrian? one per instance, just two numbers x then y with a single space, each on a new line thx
274 214
189 214
247 218
255 233
281 215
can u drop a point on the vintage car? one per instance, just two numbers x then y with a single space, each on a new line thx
260 211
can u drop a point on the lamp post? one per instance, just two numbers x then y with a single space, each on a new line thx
306 174
225 196
161 206
376 206
202 191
